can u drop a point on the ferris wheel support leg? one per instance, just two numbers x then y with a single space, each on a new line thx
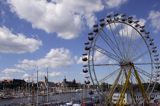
113 87
131 91
121 98
146 100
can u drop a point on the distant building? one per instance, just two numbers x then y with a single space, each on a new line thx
12 84
70 84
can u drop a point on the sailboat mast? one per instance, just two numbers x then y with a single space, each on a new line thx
47 85
37 87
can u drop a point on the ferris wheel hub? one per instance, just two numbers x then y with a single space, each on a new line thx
124 64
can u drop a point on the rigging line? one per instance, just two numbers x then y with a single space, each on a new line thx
115 38
116 47
141 55
109 46
108 76
105 52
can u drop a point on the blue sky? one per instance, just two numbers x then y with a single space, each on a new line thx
40 33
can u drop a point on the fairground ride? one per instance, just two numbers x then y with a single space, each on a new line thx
121 54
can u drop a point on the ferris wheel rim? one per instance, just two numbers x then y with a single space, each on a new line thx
136 31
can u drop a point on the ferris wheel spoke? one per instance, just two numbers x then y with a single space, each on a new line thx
136 79
130 44
107 53
127 43
105 65
143 72
149 63
114 37
137 48
114 49
141 55
109 76
123 42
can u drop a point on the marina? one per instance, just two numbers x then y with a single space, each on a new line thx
54 99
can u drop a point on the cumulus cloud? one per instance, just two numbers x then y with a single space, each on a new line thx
114 3
10 73
65 17
5 77
154 17
17 43
50 74
55 58
12 70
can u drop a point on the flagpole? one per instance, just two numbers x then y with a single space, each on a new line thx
37 87
47 85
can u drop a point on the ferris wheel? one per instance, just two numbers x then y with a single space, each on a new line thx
121 59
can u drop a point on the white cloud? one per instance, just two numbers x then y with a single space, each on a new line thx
5 77
65 17
50 74
54 74
16 43
26 77
99 57
10 73
42 74
154 17
79 61
12 70
54 59
114 3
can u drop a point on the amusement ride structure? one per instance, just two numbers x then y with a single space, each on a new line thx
121 53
